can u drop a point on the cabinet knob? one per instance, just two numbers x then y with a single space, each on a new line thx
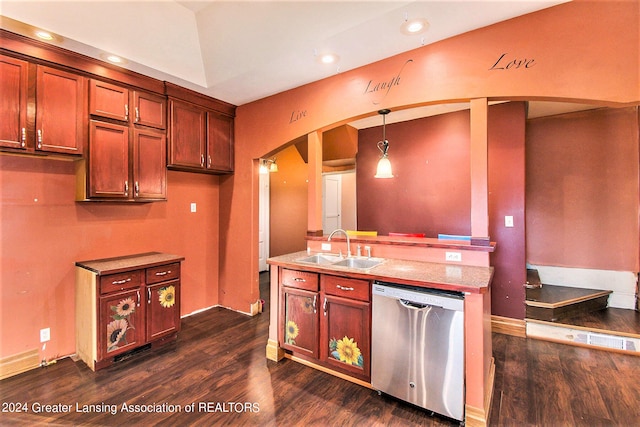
208 161
126 188
314 304
202 160
126 112
24 137
324 306
138 292
344 288
137 119
39 138
136 187
299 279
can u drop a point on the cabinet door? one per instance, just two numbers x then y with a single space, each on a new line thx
120 323
60 106
187 135
108 100
14 86
163 309
299 329
149 110
108 160
149 164
345 335
219 142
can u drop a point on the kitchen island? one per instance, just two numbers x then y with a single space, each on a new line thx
331 292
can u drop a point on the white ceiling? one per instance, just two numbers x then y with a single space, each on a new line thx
239 51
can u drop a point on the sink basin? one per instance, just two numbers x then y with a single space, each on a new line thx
363 263
320 259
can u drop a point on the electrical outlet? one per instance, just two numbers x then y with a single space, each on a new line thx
45 334
326 246
193 207
508 221
453 256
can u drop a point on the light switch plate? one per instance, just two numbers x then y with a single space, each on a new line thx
193 207
508 221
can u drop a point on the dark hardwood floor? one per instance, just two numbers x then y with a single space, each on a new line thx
217 374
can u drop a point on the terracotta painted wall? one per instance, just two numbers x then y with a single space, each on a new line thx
582 190
577 46
44 232
288 203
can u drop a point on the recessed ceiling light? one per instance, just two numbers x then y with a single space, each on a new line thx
414 26
44 35
115 59
326 57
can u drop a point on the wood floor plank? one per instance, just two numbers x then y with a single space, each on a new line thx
219 359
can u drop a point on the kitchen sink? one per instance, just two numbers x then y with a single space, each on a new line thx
363 263
321 259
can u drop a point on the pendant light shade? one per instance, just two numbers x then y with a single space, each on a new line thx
384 165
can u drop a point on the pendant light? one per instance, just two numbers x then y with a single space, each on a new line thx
384 165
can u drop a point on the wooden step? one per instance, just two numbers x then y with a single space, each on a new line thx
555 303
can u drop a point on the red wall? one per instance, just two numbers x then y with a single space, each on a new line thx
506 160
582 190
44 232
430 191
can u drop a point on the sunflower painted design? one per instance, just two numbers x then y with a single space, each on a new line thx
116 331
347 351
125 307
292 332
167 296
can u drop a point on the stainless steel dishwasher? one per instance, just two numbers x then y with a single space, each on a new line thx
417 351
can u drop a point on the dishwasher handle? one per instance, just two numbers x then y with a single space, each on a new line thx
414 305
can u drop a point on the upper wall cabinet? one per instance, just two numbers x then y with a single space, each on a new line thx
200 132
127 155
57 123
114 102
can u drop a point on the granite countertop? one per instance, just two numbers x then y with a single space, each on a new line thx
461 278
128 262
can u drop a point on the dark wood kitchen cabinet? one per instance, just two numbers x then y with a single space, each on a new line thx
115 102
345 325
127 155
115 171
125 303
327 320
201 133
14 87
43 108
299 304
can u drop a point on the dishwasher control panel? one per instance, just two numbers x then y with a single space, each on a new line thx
433 297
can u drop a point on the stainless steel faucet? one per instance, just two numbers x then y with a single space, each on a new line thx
340 230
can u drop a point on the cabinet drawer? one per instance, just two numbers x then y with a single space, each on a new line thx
120 281
300 280
348 288
163 273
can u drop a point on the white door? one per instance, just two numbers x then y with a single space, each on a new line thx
331 203
263 223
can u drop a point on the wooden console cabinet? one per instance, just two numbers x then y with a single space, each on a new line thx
125 303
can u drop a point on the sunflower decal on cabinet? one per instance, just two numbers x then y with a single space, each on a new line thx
292 332
347 351
118 327
167 296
